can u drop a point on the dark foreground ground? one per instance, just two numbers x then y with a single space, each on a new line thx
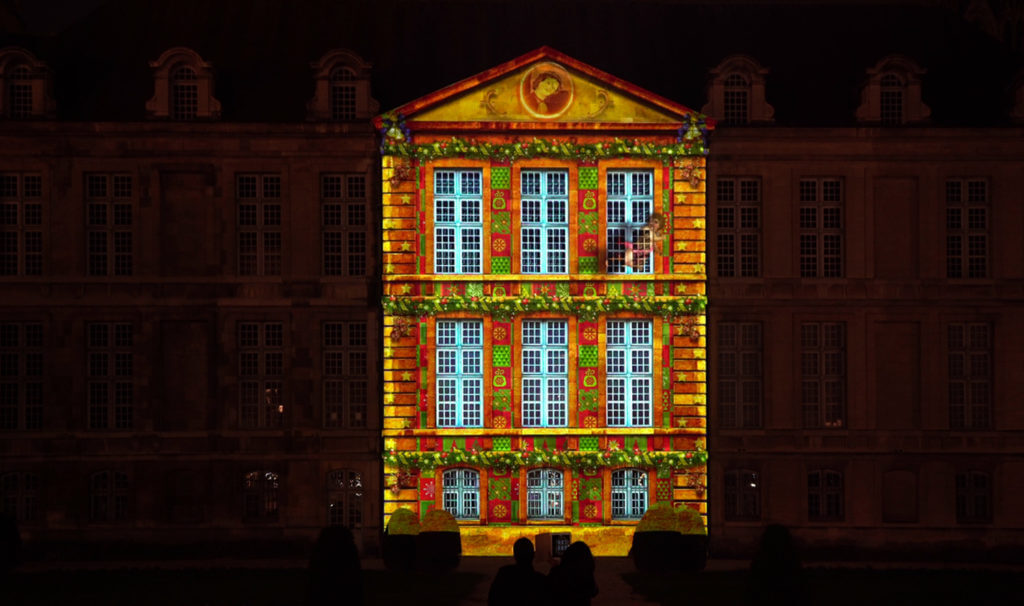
284 583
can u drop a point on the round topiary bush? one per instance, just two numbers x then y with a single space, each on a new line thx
658 540
399 548
694 548
439 544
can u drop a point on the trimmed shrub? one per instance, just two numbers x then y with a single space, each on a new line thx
669 539
399 547
439 544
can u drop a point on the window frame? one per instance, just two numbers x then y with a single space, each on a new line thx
818 414
736 99
466 496
627 491
546 229
342 253
538 485
742 502
110 373
628 375
342 377
461 229
25 257
261 378
823 496
736 240
747 352
974 382
342 95
23 375
261 496
620 235
458 375
346 498
116 233
109 503
821 244
960 206
262 205
184 92
546 378
973 503
19 496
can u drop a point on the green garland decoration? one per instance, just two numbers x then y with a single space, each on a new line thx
587 462
505 308
542 148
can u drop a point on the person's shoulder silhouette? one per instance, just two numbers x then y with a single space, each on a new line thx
335 573
572 580
775 574
518 584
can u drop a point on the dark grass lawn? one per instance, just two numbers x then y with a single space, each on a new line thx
220 588
841 587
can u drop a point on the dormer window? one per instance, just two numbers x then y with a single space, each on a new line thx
736 92
25 85
182 87
341 88
184 94
892 94
343 93
736 95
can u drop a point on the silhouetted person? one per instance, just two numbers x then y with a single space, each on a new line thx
335 576
572 581
519 584
775 575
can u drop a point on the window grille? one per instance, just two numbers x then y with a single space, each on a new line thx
545 222
740 376
460 371
973 497
110 230
545 356
629 365
544 494
891 99
19 493
630 204
969 347
19 92
345 498
343 206
111 375
108 496
345 358
21 220
461 493
342 94
260 496
825 495
821 228
629 494
184 94
21 376
967 228
261 374
458 226
738 225
259 225
742 494
736 95
823 374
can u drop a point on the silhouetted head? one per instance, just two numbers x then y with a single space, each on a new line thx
522 551
335 545
578 557
777 548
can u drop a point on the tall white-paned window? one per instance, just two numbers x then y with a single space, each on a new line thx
629 494
545 373
458 224
462 493
630 373
545 222
630 203
460 373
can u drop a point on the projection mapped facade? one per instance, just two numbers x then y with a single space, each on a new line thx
544 296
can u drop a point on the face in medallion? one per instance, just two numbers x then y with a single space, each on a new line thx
546 90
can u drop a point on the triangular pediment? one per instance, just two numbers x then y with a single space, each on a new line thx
544 87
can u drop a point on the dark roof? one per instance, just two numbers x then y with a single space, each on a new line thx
261 51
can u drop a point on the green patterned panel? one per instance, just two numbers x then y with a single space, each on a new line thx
588 399
590 490
575 512
663 492
503 444
502 222
501 177
475 289
502 355
588 355
588 223
615 289
425 507
499 488
501 265
588 265
515 510
502 399
562 289
588 177
589 443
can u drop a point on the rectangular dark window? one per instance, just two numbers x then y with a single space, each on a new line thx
259 225
344 223
825 495
821 228
111 375
742 494
823 374
740 378
109 200
973 497
21 376
345 372
967 228
261 374
21 224
738 223
969 351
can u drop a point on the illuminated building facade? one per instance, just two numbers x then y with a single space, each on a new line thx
544 353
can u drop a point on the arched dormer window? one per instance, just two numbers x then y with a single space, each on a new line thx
184 93
736 92
25 84
182 87
892 94
343 93
341 88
